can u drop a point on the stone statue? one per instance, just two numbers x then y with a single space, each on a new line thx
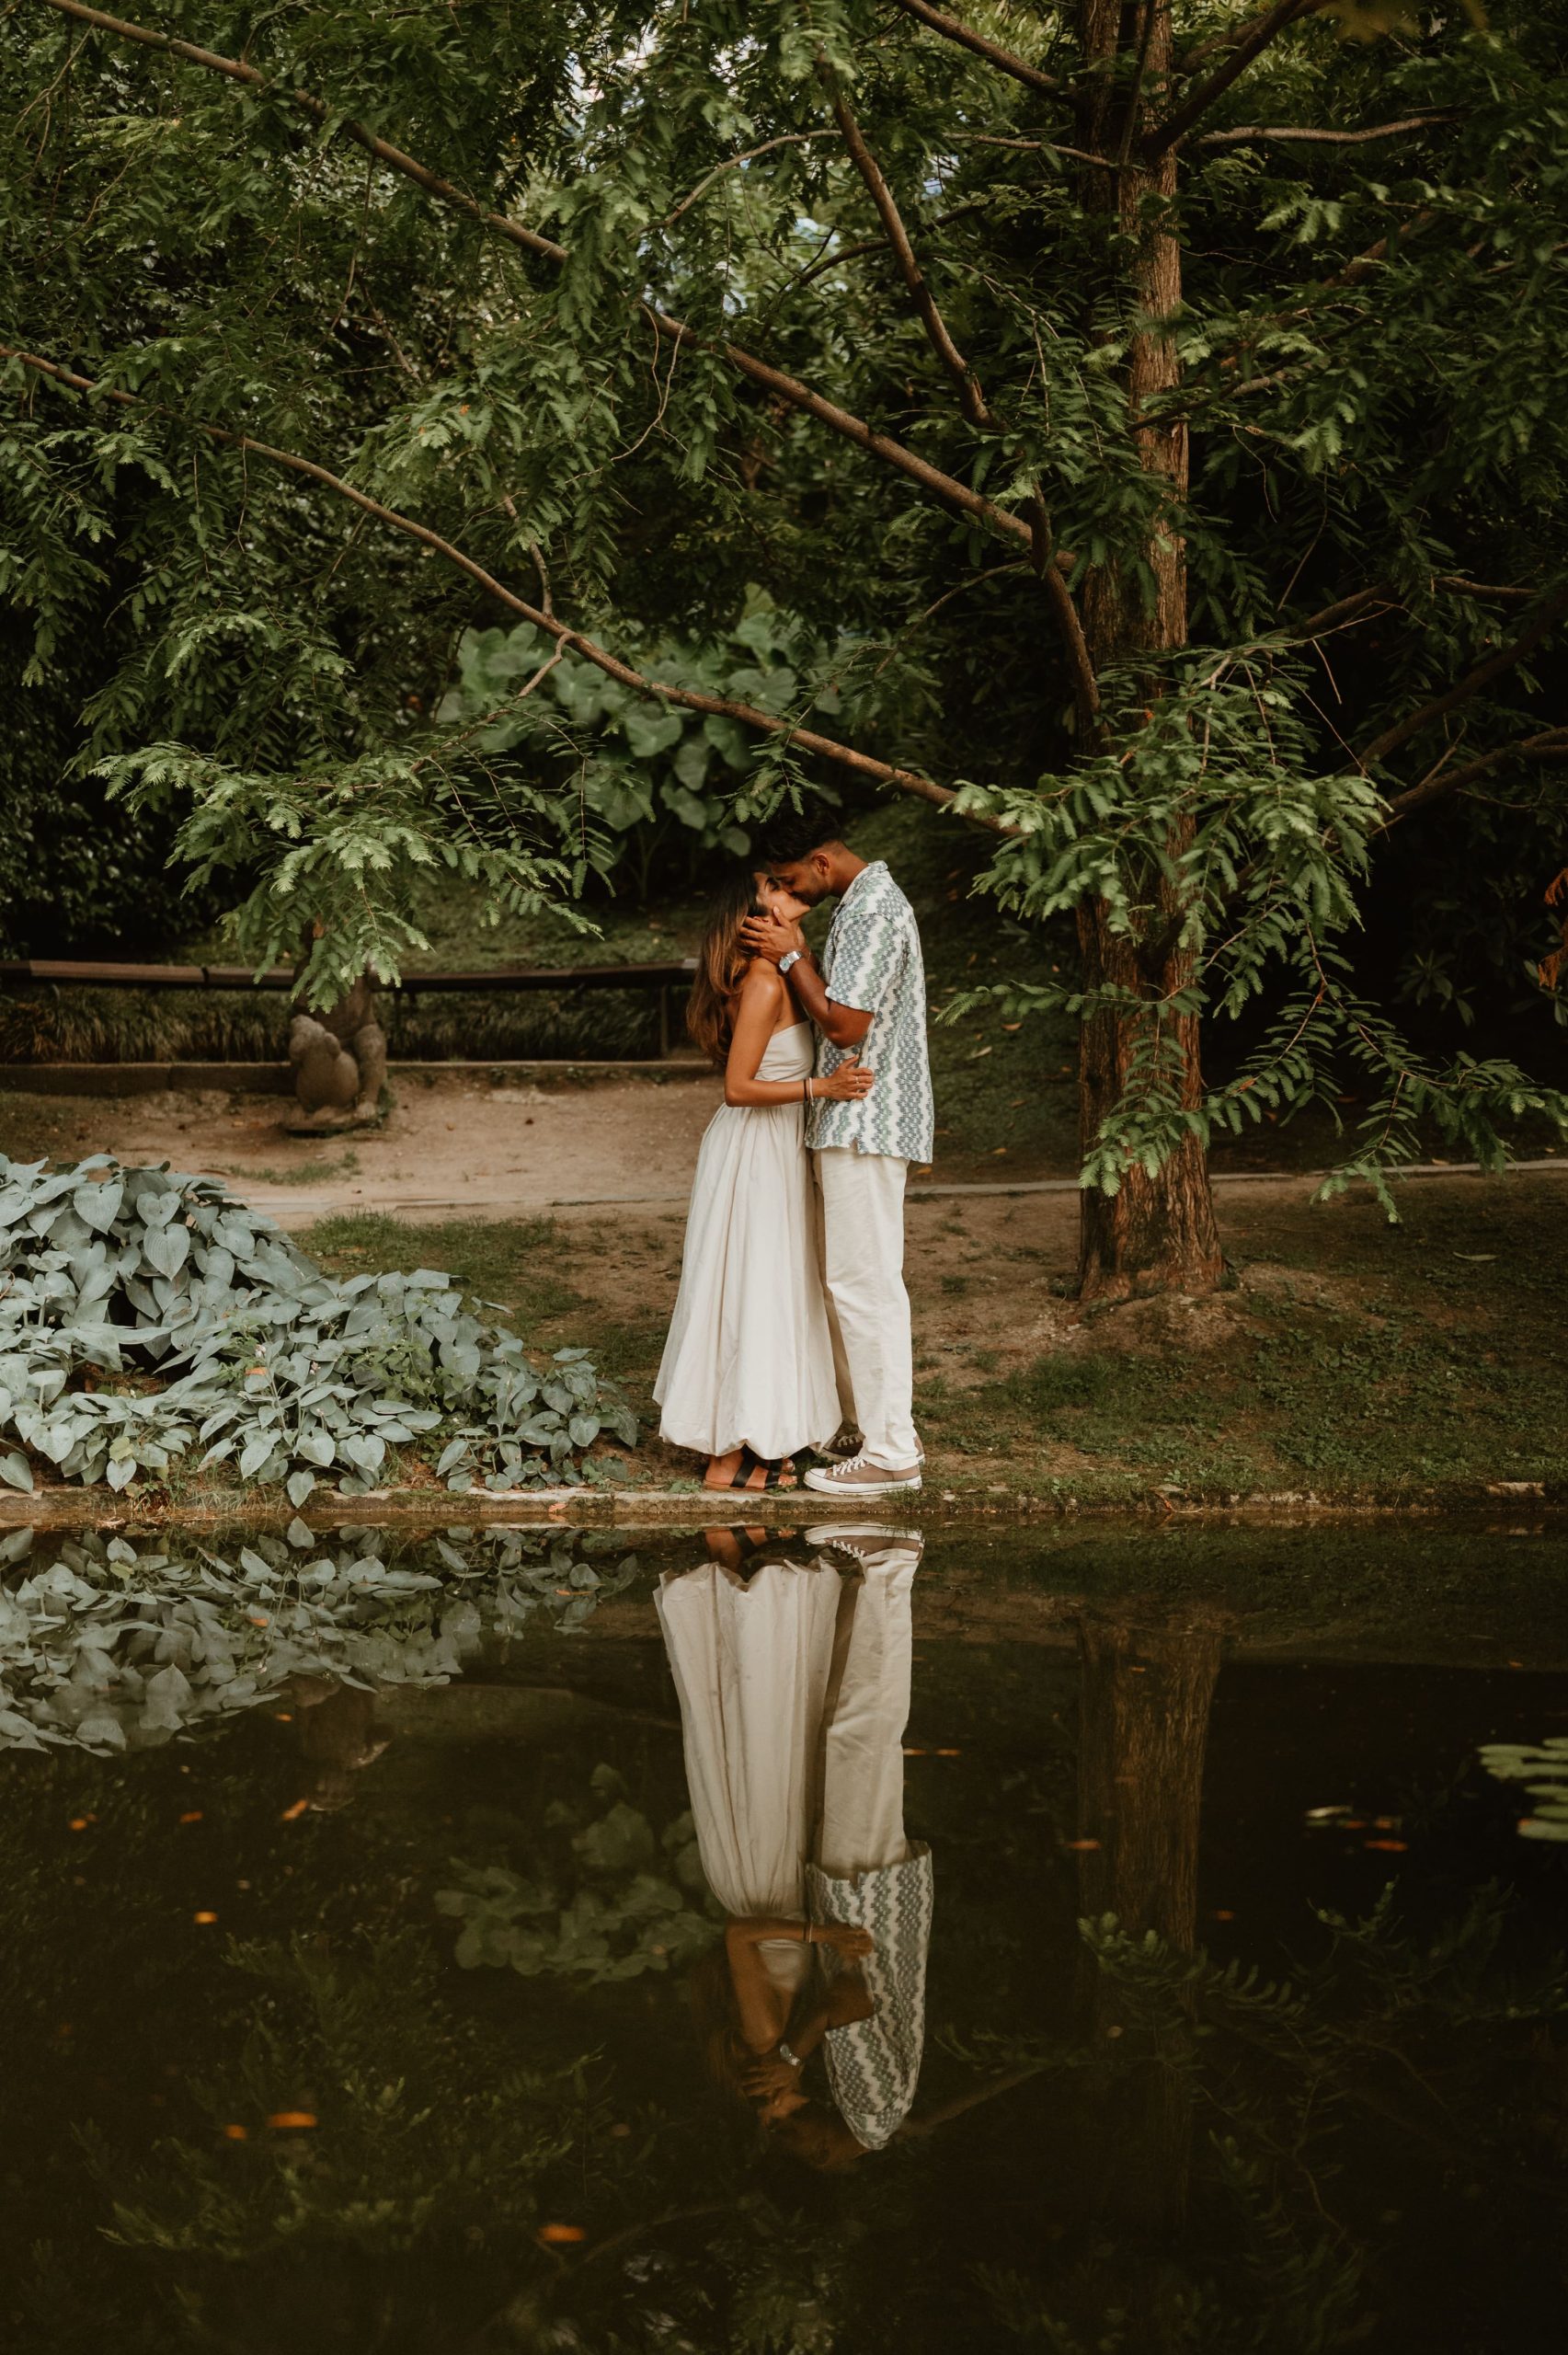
339 1062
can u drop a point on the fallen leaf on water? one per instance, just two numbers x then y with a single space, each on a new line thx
556 2235
293 1814
291 2120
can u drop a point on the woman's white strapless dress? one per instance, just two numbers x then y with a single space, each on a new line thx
750 1355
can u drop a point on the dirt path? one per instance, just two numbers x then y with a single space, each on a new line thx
450 1146
456 1147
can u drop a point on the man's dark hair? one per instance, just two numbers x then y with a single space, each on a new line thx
796 833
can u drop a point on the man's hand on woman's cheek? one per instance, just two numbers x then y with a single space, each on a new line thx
766 937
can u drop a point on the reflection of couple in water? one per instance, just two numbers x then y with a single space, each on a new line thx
793 1682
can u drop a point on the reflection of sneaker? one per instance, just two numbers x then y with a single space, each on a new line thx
856 1477
865 1541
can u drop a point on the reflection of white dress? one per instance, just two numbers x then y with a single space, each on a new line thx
794 1693
751 1662
749 1356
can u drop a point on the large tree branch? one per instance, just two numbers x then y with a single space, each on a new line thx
1219 43
971 400
1249 41
1289 132
570 641
1549 744
951 29
785 387
1472 682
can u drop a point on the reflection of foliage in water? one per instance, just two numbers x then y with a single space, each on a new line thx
1542 1767
1290 2102
417 2193
606 1896
107 1645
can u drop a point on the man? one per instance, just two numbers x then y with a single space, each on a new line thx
868 1000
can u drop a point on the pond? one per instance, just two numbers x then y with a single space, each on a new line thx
398 1921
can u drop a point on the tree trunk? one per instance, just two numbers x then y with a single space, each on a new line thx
1156 1234
1144 1697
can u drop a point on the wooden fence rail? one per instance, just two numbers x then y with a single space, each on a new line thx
17 973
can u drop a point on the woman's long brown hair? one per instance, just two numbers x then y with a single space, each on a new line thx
721 967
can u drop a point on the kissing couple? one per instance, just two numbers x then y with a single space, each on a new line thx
790 1328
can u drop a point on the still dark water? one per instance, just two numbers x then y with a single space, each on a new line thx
392 1925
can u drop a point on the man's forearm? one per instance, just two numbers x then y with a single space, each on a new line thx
840 1024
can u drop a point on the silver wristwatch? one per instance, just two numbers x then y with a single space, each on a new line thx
791 957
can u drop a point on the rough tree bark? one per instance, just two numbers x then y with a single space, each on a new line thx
1156 1234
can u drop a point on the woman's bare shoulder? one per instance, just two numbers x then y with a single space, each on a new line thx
762 982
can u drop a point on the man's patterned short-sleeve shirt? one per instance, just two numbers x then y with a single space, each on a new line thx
872 963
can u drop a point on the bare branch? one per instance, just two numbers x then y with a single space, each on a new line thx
1333 616
951 29
944 487
1033 147
1551 744
971 400
1484 588
1289 132
569 640
1250 41
1472 683
730 162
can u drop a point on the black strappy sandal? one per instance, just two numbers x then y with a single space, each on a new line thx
774 1475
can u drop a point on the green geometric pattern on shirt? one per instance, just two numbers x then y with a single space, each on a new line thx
872 963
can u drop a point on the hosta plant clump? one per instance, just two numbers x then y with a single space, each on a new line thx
148 1319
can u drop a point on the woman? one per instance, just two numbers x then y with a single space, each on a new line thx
748 1370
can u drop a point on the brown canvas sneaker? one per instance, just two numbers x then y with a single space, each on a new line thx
856 1477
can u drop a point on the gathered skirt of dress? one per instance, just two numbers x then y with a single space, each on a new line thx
750 1355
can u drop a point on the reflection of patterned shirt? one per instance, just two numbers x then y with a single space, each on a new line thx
874 2066
872 963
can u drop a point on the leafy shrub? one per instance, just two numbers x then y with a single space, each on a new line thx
108 1646
147 1314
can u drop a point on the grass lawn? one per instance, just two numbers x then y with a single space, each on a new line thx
1348 1361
